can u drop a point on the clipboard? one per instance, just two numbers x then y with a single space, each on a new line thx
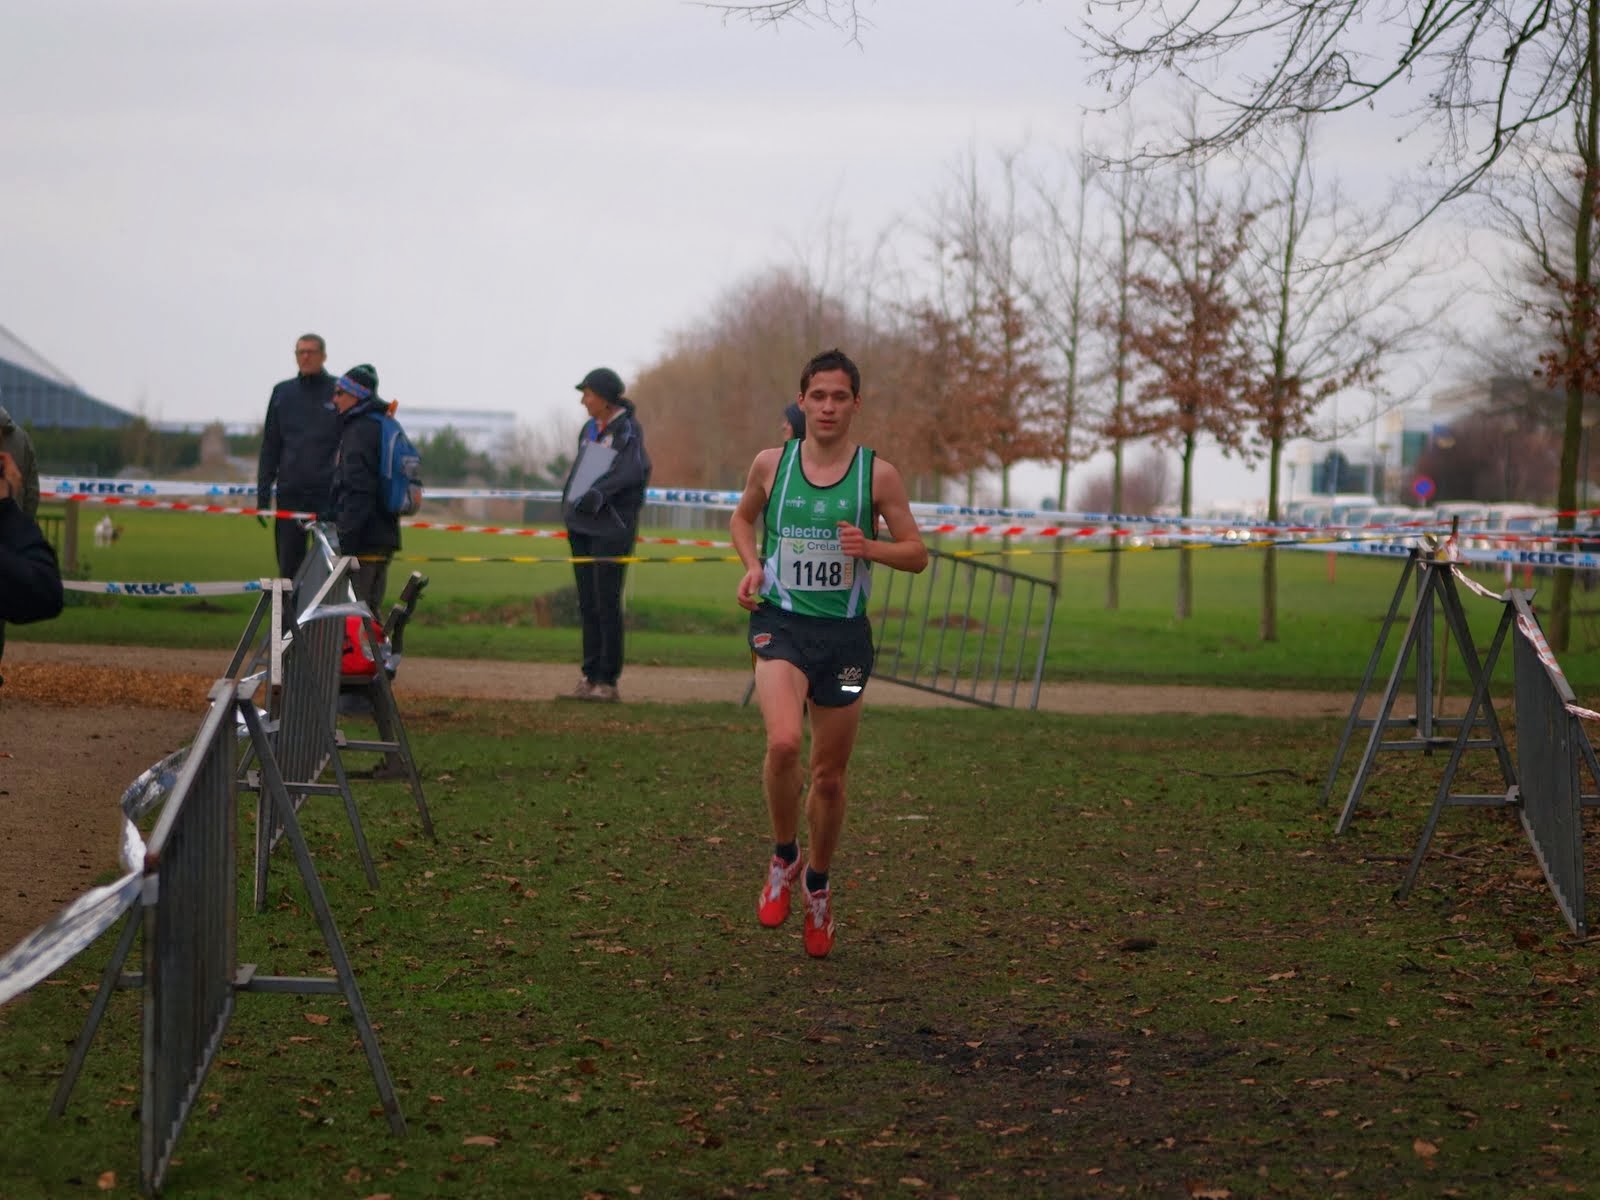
594 460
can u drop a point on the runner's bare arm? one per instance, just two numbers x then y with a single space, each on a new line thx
903 549
742 525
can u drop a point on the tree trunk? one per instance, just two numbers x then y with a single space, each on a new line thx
1582 319
1269 563
1185 607
1114 572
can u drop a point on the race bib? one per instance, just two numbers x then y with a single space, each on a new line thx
817 566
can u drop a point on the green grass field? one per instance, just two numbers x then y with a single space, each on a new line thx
1076 957
683 613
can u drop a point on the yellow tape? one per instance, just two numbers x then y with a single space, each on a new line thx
1015 552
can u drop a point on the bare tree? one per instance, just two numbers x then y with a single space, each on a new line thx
1494 454
1326 318
1119 264
1547 206
1488 74
843 14
717 396
1144 487
1198 370
1063 305
999 415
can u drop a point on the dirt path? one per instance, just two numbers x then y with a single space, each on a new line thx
484 680
78 723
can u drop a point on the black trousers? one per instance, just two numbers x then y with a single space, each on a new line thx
372 579
600 602
292 543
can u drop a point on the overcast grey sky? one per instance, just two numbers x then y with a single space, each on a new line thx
483 199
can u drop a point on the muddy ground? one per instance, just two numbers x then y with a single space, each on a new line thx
79 723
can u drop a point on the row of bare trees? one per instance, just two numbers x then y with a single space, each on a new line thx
1499 97
1049 314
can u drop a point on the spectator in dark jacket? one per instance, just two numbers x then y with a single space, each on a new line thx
30 579
354 505
601 501
297 447
14 441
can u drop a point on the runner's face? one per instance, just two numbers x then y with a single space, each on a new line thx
829 405
594 403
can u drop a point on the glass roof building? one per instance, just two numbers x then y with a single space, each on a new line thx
39 395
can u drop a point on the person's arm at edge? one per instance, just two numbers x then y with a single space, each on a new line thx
742 526
903 550
267 463
30 577
29 466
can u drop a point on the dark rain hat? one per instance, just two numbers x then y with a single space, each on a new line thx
603 382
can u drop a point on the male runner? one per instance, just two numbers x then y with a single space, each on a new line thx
822 497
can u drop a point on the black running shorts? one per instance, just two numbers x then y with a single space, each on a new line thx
835 655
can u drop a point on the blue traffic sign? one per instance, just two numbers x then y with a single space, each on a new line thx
1422 487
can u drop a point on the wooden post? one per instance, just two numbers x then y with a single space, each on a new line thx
69 537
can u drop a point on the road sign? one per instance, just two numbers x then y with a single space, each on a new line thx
1422 487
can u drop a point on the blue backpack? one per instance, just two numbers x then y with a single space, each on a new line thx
399 468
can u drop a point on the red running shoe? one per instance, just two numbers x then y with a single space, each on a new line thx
819 923
773 906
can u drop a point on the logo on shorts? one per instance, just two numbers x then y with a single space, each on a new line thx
851 679
761 641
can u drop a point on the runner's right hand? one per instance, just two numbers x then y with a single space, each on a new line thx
750 589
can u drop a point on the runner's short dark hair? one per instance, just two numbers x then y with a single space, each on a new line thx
831 360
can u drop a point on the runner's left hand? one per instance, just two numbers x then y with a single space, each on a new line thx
851 540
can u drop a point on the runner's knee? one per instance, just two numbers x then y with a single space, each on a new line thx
783 748
827 782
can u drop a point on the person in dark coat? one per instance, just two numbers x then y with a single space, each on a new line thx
354 505
30 577
297 447
601 500
15 442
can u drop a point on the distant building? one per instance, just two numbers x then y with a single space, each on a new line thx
488 432
39 394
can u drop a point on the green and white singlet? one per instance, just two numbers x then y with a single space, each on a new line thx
804 570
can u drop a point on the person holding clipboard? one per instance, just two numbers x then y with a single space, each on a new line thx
600 504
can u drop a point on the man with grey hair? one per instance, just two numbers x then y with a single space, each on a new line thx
298 443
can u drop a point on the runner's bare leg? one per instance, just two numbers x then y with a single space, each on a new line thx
781 693
833 737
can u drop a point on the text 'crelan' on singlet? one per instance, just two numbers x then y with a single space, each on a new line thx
804 569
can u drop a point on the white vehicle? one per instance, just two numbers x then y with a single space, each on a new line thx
1469 514
1517 517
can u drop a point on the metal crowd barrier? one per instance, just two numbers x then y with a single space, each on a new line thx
987 661
305 683
966 629
1546 789
1436 594
187 914
376 693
